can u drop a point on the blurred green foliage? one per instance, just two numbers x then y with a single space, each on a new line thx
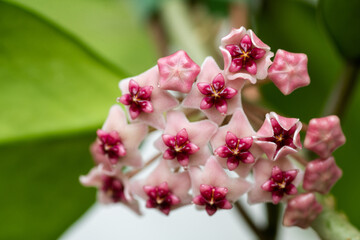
57 82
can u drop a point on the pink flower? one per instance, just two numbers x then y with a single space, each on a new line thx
214 189
245 55
118 141
289 71
145 100
274 180
233 144
163 189
301 211
213 94
321 175
185 141
324 135
177 72
279 136
112 187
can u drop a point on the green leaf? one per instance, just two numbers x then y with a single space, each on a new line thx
342 20
109 27
54 92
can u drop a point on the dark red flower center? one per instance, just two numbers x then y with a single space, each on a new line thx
280 183
161 197
111 145
113 187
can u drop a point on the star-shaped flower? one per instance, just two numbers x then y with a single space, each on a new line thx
233 144
274 181
163 189
177 72
145 101
279 136
324 135
301 211
118 141
321 175
213 94
113 187
185 141
289 71
214 189
245 55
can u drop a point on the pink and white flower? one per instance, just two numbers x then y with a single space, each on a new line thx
233 144
279 136
185 143
214 189
324 135
118 141
302 210
177 72
274 181
245 55
321 175
289 71
145 101
213 94
163 189
113 187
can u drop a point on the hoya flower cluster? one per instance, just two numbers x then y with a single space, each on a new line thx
206 135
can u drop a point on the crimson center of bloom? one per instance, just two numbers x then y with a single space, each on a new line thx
280 183
179 147
138 98
160 197
281 136
212 198
244 55
236 150
216 94
111 145
113 187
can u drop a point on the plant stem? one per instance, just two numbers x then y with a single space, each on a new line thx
343 90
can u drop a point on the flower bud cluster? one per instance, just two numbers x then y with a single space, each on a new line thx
206 135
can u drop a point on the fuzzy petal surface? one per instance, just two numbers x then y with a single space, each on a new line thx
161 100
177 72
289 71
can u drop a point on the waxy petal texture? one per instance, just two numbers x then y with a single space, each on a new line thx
324 135
301 211
230 136
321 175
289 71
118 141
245 55
164 185
147 109
195 151
177 72
279 136
213 94
263 171
216 192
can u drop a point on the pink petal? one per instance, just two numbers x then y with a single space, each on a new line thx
223 151
204 88
134 111
168 140
145 92
247 157
218 82
125 99
231 140
169 154
199 200
182 137
233 49
146 106
257 53
232 163
207 103
133 87
236 65
246 43
228 93
221 106
251 67
183 159
191 148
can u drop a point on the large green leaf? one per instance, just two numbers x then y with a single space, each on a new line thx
109 27
293 26
54 89
342 20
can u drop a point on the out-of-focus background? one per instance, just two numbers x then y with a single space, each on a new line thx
61 61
